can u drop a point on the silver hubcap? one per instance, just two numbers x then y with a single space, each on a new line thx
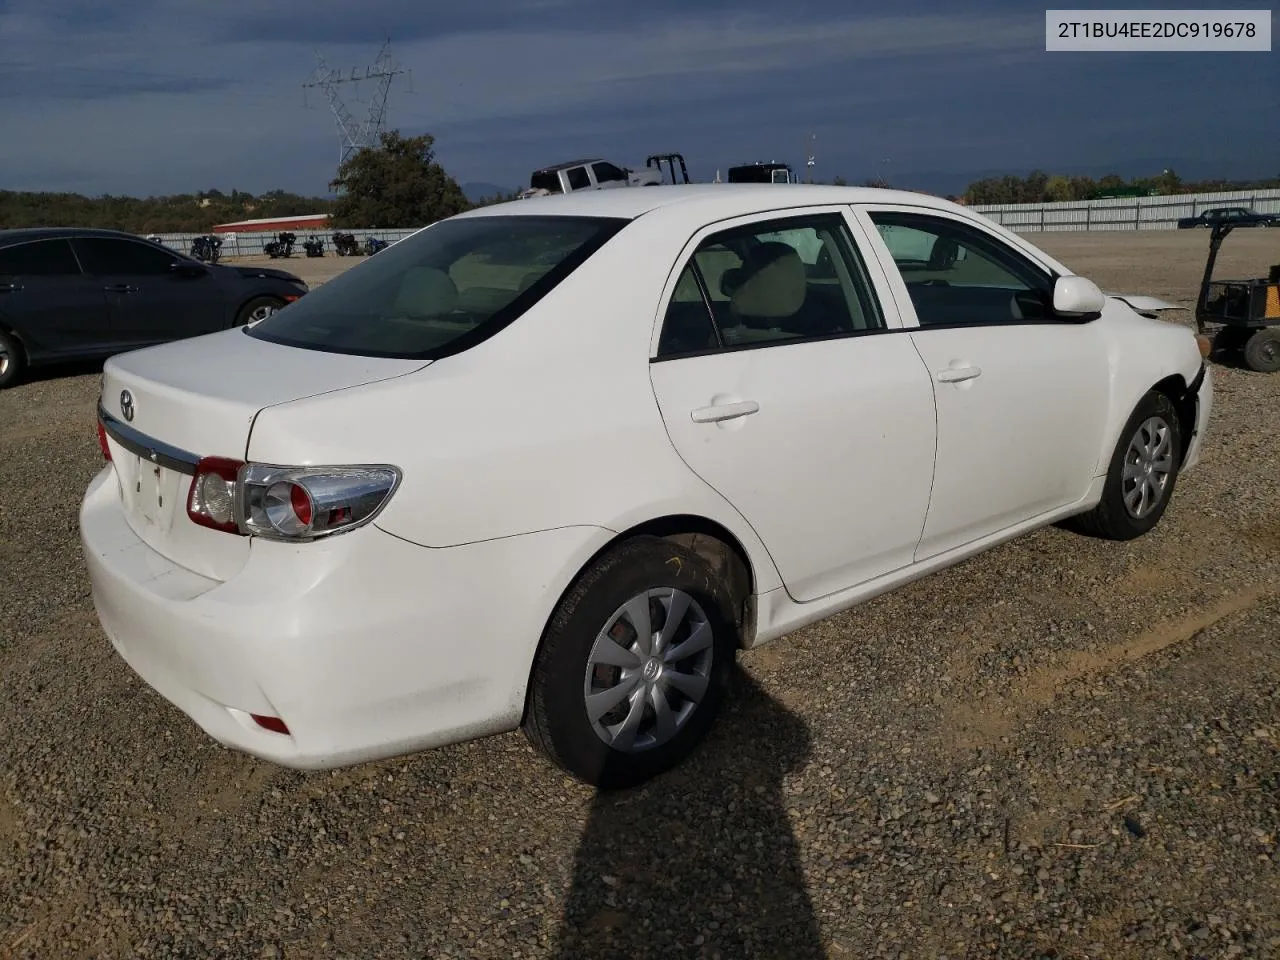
261 312
1148 464
648 670
4 361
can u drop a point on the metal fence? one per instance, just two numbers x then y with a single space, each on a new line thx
251 244
1124 213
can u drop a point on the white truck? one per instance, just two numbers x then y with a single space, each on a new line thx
587 175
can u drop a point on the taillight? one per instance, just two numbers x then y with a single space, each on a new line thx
287 503
102 440
212 500
302 503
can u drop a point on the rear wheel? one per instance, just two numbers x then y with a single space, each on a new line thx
634 664
259 308
1262 352
11 361
1141 476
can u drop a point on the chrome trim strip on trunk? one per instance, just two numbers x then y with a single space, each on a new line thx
148 448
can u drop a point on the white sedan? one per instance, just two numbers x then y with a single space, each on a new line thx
550 465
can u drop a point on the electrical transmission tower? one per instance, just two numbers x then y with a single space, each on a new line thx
353 135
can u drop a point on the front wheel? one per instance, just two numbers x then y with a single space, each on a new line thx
634 664
259 308
1141 476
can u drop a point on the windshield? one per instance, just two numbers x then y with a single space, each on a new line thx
441 290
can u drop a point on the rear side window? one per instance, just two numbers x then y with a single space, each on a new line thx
107 256
545 181
442 290
578 179
606 172
773 282
39 258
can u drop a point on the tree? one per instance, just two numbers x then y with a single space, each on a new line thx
839 182
1057 189
396 184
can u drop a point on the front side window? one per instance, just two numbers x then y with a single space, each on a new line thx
106 256
39 258
957 274
772 282
442 290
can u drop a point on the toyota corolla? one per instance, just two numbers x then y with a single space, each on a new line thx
549 464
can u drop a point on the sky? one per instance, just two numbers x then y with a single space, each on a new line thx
150 97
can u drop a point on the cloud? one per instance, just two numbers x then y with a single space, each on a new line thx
162 95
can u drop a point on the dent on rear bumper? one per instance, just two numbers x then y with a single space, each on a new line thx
367 646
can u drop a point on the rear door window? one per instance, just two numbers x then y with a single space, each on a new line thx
39 258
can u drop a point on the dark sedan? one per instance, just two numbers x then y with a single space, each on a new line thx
1236 216
68 294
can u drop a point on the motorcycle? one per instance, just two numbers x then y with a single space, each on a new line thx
372 245
345 244
281 246
207 248
314 247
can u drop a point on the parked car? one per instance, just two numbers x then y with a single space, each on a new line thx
551 465
69 294
1236 216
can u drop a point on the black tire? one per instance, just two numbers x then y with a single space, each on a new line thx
1262 352
12 360
246 313
1111 519
556 718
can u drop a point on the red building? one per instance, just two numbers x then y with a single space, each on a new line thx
312 221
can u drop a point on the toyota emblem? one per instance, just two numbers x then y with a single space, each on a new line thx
126 405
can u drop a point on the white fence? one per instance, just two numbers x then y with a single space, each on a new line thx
1125 213
251 244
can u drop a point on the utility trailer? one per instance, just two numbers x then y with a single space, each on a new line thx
1246 312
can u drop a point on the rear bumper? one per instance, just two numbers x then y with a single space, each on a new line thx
367 646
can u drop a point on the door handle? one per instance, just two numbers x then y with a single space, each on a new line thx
121 288
10 287
724 411
958 374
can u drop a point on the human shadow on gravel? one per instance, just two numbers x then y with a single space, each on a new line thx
700 862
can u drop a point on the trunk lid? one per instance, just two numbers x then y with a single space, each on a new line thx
181 401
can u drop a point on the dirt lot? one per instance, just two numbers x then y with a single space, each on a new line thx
1061 749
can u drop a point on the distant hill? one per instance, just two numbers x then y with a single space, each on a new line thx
476 191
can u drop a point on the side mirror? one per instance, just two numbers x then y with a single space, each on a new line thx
185 268
1077 298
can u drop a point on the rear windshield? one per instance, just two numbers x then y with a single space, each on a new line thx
441 290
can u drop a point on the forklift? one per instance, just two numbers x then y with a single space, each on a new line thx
670 159
1246 312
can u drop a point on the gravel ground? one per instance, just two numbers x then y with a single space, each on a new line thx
1061 749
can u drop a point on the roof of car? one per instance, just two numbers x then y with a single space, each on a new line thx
23 234
721 199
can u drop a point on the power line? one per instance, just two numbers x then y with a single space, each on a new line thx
352 135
